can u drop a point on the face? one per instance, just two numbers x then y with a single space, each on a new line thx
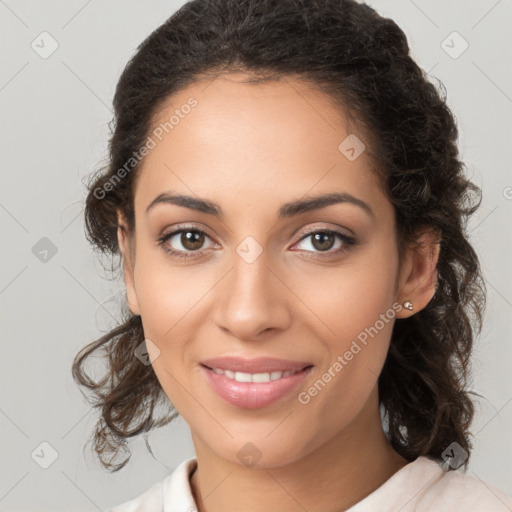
256 279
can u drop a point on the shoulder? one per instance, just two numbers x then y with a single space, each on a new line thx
174 488
424 486
459 490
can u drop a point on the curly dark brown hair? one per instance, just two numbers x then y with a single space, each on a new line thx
362 61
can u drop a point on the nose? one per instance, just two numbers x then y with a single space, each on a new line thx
252 300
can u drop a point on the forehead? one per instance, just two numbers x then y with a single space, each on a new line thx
240 143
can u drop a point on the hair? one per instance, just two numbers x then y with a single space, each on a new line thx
361 60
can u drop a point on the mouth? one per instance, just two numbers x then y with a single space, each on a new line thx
256 365
247 390
259 377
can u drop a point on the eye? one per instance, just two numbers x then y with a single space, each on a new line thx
188 242
187 239
323 240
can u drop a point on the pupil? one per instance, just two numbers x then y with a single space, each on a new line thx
192 239
319 241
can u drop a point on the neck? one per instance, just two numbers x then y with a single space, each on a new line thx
339 474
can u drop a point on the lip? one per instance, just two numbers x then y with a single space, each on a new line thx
257 365
253 395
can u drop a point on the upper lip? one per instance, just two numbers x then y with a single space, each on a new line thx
258 365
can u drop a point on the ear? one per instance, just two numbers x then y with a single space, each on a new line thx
126 247
418 279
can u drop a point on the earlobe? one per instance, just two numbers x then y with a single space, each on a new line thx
421 280
128 273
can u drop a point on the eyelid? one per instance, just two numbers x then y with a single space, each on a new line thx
316 229
348 242
176 228
180 228
338 232
195 227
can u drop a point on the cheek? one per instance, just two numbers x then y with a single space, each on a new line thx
169 296
172 302
353 317
348 300
349 375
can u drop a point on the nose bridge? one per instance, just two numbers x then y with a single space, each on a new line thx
250 275
253 298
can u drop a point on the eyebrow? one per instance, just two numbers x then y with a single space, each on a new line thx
287 210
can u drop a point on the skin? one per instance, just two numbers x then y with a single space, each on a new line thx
250 149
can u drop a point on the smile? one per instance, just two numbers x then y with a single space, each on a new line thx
254 377
253 390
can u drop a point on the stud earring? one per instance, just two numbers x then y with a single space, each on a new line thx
408 305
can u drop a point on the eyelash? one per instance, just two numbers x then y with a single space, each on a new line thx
348 241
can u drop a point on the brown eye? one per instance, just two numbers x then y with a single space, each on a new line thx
187 242
323 241
192 240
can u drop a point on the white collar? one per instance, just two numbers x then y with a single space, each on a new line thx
176 489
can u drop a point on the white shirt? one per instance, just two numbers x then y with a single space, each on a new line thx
421 486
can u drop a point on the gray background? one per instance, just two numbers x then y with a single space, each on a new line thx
54 116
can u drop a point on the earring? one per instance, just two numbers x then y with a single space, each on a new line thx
408 305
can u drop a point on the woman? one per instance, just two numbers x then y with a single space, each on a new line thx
285 191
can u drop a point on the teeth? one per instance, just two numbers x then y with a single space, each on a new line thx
254 377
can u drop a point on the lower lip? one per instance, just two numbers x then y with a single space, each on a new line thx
253 395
